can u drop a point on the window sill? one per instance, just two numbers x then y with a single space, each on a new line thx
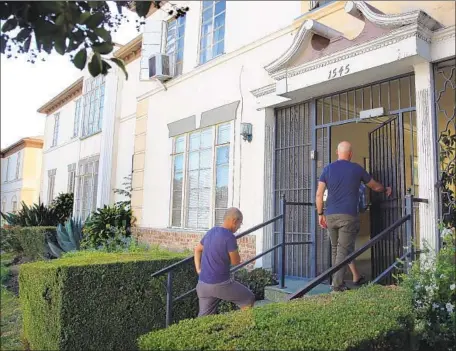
186 230
208 61
90 135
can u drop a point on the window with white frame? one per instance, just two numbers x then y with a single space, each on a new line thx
201 165
77 117
14 203
51 185
212 39
4 204
93 104
87 186
55 134
71 177
18 165
175 43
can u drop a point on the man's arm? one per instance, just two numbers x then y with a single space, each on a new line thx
235 258
319 197
319 202
379 188
198 252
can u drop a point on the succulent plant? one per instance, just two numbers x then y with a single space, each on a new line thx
69 238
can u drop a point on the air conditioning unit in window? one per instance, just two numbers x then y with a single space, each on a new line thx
160 67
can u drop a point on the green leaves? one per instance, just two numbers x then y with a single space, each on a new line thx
95 65
103 34
60 45
94 20
80 59
142 7
9 25
103 48
121 65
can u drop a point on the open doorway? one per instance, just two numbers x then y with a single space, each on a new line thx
386 148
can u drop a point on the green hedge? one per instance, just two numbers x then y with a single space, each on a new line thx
9 239
100 301
33 241
369 318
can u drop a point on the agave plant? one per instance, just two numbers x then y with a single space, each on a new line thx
69 238
34 216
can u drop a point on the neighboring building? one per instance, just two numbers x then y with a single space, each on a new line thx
21 173
89 135
300 76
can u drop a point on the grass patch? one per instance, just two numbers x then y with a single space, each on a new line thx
10 312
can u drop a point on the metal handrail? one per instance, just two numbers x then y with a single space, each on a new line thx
282 245
323 276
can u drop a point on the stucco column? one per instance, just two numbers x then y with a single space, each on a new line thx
427 157
107 141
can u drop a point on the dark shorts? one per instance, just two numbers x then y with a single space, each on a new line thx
209 295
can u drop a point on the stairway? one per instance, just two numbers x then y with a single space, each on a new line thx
275 294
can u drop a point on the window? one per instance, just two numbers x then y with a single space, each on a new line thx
14 203
77 117
201 162
55 135
51 185
212 42
18 165
4 204
175 43
318 3
86 196
71 177
7 168
93 101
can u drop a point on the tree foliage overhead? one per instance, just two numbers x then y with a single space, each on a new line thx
75 28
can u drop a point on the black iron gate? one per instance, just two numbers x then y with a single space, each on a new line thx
387 165
293 179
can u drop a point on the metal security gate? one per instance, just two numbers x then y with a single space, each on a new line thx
293 179
387 165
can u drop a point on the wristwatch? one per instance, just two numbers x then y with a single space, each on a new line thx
321 214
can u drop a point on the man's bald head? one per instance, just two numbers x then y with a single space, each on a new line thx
233 219
344 150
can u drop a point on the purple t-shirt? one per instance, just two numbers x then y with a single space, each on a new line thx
215 261
343 179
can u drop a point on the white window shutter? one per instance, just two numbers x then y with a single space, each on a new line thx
152 43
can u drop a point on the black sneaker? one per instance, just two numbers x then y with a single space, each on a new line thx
341 288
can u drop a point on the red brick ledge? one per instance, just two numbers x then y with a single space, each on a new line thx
181 240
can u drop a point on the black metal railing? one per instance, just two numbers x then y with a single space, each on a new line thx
282 257
408 219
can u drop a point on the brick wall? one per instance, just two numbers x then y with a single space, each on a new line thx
175 240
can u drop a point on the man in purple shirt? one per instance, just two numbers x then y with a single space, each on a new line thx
214 255
343 179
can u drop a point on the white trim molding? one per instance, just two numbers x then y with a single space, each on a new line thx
300 42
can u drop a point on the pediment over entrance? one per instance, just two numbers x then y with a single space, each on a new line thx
315 40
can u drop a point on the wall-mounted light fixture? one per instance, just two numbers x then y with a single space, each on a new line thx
246 131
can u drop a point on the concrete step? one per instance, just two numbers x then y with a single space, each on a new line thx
275 294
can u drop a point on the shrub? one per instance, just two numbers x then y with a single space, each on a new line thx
33 241
9 240
99 226
68 236
432 282
369 318
256 280
63 206
100 301
37 215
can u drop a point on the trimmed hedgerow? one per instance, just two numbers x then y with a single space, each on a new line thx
369 318
100 301
9 239
33 241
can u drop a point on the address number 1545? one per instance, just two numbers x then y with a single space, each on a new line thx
341 71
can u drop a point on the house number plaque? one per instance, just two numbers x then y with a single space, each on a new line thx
339 72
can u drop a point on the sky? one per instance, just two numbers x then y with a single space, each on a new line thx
25 87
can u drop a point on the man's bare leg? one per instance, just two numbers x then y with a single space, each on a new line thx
356 275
